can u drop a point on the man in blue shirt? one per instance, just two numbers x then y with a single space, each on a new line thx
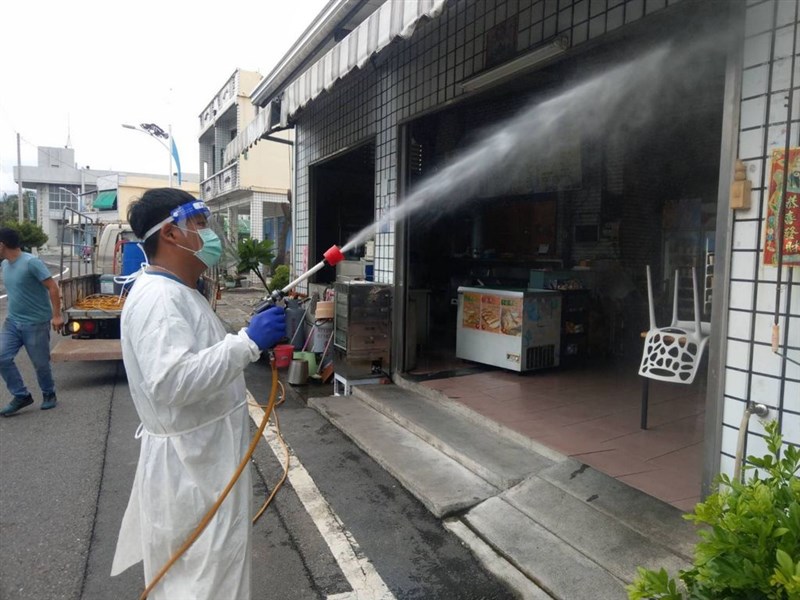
34 304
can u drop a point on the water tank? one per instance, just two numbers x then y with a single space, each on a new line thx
132 257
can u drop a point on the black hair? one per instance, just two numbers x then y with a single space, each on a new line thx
153 207
9 237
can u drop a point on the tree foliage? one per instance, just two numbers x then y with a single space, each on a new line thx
30 234
253 254
9 209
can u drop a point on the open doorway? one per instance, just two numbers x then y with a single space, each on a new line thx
343 203
629 202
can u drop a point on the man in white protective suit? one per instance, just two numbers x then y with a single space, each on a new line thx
186 380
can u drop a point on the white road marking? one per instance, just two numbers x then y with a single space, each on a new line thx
357 568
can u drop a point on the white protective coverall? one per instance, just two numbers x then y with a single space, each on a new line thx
185 377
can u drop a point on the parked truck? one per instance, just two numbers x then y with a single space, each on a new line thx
93 254
91 302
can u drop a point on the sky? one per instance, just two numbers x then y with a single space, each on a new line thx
77 70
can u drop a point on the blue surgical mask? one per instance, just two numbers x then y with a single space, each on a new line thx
211 250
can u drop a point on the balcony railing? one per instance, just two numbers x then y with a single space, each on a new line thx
221 182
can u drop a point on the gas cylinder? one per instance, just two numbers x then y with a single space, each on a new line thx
295 328
323 328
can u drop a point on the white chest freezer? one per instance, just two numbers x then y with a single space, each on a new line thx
519 330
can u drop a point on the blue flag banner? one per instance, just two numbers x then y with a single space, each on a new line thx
174 150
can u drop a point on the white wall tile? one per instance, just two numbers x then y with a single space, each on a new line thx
766 295
781 73
756 50
763 329
791 396
739 325
756 446
791 428
745 235
751 143
581 12
759 18
726 465
634 10
783 41
615 18
735 384
743 265
779 106
754 81
741 296
753 112
732 412
729 439
765 390
738 354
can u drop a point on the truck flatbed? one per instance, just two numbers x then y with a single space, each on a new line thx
72 350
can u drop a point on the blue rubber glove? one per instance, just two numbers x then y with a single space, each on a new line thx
267 328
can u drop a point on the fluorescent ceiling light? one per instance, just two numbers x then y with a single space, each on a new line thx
518 65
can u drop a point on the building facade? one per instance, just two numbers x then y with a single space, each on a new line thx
252 193
61 184
488 142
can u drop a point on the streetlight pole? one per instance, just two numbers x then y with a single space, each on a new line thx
155 132
76 196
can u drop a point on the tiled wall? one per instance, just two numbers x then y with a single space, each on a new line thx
753 372
410 78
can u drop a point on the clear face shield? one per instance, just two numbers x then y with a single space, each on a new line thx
204 233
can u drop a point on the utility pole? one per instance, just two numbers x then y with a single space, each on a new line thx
20 204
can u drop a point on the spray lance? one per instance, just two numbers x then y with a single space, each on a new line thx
331 257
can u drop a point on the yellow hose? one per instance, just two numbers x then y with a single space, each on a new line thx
100 302
213 510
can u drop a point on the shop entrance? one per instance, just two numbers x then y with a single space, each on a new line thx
342 204
625 200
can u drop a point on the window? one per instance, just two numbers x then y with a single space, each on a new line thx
65 196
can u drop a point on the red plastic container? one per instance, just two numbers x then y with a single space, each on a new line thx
283 355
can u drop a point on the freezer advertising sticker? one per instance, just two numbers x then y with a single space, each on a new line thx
490 313
471 318
511 316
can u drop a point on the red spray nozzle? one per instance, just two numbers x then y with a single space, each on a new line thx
333 255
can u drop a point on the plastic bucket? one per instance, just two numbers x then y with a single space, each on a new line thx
283 355
310 358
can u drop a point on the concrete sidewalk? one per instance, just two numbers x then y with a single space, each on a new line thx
547 525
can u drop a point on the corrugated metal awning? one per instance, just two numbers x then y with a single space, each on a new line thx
395 18
106 200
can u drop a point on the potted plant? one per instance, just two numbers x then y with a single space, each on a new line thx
751 547
230 280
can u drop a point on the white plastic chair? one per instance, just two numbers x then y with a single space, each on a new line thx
673 353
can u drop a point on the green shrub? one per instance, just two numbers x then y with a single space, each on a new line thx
253 254
751 548
280 278
31 235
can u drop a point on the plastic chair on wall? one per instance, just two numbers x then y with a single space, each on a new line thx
672 353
